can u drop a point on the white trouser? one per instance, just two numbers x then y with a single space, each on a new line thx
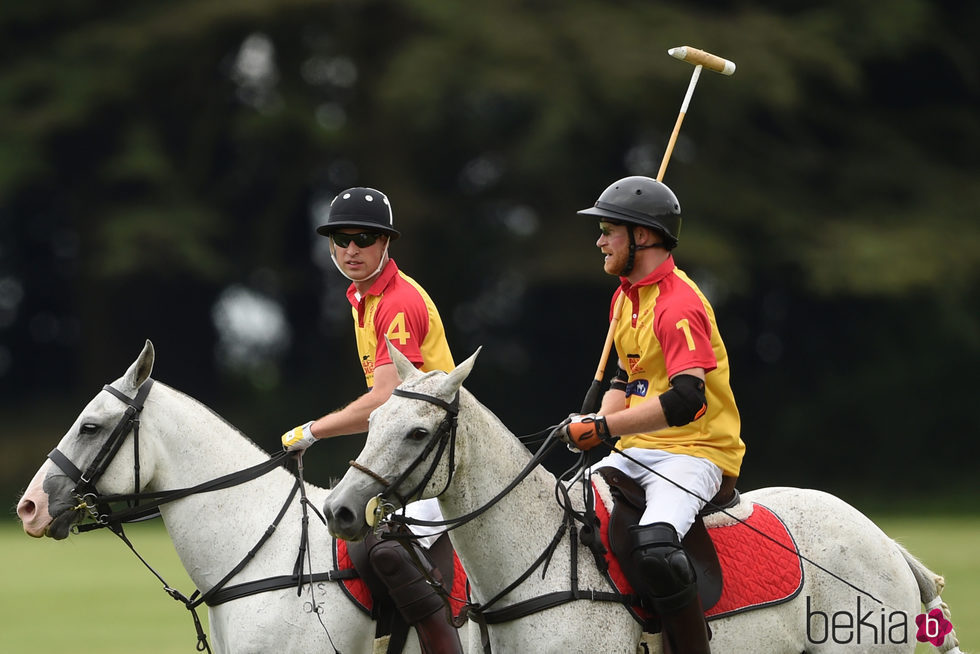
666 502
426 510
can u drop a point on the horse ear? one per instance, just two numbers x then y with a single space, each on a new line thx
140 370
463 370
404 367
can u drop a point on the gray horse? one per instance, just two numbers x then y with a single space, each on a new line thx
182 444
502 543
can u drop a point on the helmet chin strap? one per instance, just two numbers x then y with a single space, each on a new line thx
381 264
631 259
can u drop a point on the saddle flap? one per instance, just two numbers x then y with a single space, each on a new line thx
629 502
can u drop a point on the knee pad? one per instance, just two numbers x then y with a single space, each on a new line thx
669 574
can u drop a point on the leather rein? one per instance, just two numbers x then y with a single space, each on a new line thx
145 506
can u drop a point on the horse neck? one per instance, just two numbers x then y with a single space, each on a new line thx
209 530
489 456
193 443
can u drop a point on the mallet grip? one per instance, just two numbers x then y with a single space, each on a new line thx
702 58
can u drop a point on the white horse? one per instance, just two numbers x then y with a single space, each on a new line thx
503 542
182 443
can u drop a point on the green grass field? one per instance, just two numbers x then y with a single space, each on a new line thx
90 594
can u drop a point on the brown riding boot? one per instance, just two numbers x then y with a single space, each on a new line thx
437 635
420 605
686 631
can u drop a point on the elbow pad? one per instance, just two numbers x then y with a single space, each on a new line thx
685 401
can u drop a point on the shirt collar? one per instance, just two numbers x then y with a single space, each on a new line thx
654 277
385 277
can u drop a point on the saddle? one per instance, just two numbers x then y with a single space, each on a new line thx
629 504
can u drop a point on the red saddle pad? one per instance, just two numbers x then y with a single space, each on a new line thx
759 561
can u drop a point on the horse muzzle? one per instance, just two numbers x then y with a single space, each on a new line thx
344 520
33 511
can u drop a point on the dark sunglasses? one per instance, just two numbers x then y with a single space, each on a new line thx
605 226
361 239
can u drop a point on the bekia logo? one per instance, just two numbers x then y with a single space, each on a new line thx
933 627
873 627
862 627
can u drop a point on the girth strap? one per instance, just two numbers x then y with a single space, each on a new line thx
551 600
280 582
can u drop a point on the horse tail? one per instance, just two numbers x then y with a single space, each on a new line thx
930 586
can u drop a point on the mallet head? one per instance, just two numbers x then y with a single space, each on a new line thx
702 58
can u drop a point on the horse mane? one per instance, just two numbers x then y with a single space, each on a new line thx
216 415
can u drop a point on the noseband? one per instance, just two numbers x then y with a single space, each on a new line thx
444 435
85 491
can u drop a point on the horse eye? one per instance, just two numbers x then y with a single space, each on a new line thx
418 434
89 428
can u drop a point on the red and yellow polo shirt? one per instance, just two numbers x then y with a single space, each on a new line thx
666 326
397 307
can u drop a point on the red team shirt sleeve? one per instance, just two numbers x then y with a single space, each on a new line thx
684 332
405 323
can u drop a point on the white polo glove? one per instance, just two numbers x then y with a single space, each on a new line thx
298 438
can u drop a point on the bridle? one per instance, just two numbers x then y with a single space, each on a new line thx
142 505
443 437
85 491
98 506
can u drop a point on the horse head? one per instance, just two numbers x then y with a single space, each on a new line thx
409 451
52 503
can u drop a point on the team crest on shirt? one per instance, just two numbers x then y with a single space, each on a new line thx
368 364
633 362
638 387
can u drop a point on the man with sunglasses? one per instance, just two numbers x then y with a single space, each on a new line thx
385 302
670 403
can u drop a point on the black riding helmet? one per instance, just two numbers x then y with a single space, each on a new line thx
639 200
360 207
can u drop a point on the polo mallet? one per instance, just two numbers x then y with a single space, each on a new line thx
700 59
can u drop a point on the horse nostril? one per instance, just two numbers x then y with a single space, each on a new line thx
344 516
26 510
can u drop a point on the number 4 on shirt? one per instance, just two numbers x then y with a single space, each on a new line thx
396 330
